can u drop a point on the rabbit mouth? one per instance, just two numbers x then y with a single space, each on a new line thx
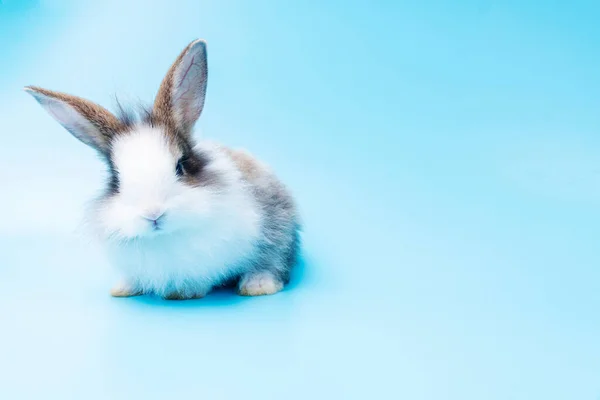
154 228
158 225
156 221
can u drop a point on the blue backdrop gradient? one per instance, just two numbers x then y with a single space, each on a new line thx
446 159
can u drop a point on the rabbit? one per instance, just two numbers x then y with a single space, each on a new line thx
181 217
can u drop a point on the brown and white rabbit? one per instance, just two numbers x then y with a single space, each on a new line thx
180 218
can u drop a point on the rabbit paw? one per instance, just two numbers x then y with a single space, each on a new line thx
124 289
259 284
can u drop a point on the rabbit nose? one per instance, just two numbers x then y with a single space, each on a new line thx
154 215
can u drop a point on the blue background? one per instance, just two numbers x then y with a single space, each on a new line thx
446 158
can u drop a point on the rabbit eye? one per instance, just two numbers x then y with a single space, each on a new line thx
179 170
189 165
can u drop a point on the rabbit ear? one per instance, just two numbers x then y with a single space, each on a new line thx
180 98
88 122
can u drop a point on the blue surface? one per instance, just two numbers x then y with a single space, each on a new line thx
446 157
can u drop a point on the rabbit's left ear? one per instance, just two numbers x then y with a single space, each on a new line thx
180 99
92 124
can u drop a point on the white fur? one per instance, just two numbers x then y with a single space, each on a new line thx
208 233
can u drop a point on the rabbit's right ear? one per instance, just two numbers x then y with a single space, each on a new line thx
87 121
180 98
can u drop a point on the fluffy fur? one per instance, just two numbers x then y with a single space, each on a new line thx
180 218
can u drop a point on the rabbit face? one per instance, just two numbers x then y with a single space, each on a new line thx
158 182
157 186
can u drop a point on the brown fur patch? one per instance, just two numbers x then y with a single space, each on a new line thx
249 166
